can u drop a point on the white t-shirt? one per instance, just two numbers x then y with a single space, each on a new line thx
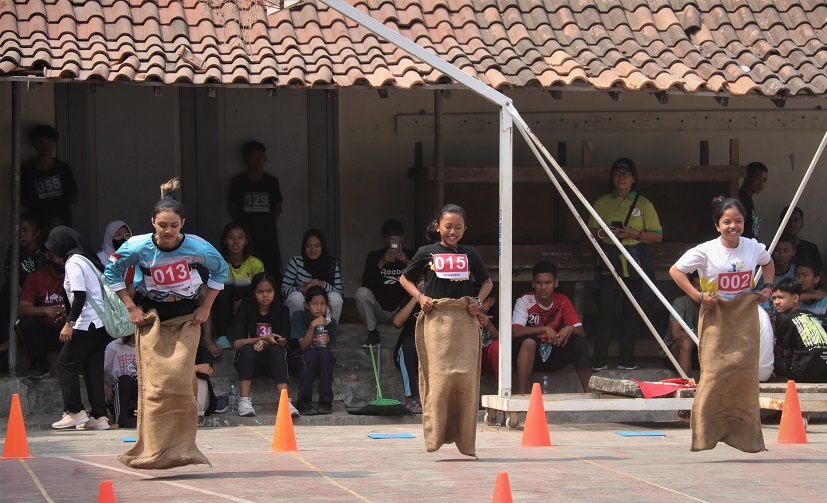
727 271
81 277
120 359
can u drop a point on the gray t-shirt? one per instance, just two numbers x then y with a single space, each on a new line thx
689 312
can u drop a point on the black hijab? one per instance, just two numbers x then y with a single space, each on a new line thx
64 241
324 267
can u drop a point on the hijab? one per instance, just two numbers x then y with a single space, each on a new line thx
324 267
108 247
64 241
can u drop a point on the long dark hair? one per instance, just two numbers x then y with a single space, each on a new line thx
249 308
225 250
324 267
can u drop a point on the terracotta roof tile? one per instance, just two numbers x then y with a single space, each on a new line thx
739 47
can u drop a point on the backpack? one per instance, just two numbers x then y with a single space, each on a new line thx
113 313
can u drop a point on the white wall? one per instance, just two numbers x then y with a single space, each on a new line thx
374 156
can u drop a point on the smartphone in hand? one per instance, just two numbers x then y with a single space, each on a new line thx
617 223
393 246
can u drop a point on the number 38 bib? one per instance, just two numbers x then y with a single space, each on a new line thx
731 284
450 266
174 277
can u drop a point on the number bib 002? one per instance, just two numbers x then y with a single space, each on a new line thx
174 277
450 266
730 284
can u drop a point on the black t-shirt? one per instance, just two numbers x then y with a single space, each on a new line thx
384 282
256 203
800 331
447 270
249 322
46 193
746 199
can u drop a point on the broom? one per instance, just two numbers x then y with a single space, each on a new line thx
380 406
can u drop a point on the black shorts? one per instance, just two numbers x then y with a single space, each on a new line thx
574 352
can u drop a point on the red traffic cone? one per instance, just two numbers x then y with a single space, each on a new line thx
535 432
106 494
17 445
791 429
502 489
284 439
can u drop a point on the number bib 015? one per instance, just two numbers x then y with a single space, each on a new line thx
730 284
450 266
174 277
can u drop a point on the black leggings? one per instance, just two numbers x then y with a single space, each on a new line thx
83 355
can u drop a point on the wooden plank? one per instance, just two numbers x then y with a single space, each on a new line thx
690 173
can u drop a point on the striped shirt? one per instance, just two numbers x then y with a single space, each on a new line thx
296 275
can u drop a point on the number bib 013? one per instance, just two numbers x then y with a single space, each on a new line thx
450 266
730 284
174 277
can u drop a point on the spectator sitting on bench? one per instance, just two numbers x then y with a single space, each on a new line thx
42 313
801 350
812 299
547 333
782 257
805 251
681 345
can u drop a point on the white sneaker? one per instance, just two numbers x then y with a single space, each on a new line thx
245 407
101 423
71 419
294 412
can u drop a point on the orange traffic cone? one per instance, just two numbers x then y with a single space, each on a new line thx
17 445
284 439
535 432
107 493
791 430
502 489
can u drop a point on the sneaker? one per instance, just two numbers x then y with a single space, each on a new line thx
324 408
71 419
294 412
306 408
601 368
628 367
222 404
245 407
372 340
38 373
101 423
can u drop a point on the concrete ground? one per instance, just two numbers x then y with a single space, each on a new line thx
587 462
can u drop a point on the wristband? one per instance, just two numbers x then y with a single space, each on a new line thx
700 297
768 285
479 301
420 295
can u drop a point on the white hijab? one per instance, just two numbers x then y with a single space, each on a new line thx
107 249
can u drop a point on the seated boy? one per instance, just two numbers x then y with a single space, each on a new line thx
812 299
681 345
547 333
802 341
783 259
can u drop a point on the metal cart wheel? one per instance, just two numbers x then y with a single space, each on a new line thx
512 420
490 417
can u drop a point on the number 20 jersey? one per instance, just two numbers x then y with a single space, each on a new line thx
167 275
727 271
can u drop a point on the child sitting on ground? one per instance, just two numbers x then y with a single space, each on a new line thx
316 332
802 342
120 379
812 298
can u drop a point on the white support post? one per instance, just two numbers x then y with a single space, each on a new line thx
505 256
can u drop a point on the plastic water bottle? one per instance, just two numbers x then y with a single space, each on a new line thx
545 386
232 397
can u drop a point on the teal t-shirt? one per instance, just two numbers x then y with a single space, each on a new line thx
300 322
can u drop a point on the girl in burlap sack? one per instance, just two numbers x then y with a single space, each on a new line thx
169 308
731 348
448 340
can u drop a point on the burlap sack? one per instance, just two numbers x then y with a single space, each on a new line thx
726 404
448 344
167 411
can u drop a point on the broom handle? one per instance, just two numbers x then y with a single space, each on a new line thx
375 374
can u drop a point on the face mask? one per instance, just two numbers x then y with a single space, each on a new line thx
117 243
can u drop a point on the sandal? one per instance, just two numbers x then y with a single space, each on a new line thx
414 406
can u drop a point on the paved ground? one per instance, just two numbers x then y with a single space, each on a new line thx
340 463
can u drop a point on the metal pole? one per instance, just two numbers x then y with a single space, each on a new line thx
14 281
796 197
505 257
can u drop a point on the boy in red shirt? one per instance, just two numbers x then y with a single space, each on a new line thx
547 333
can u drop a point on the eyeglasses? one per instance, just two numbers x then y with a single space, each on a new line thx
622 174
121 236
